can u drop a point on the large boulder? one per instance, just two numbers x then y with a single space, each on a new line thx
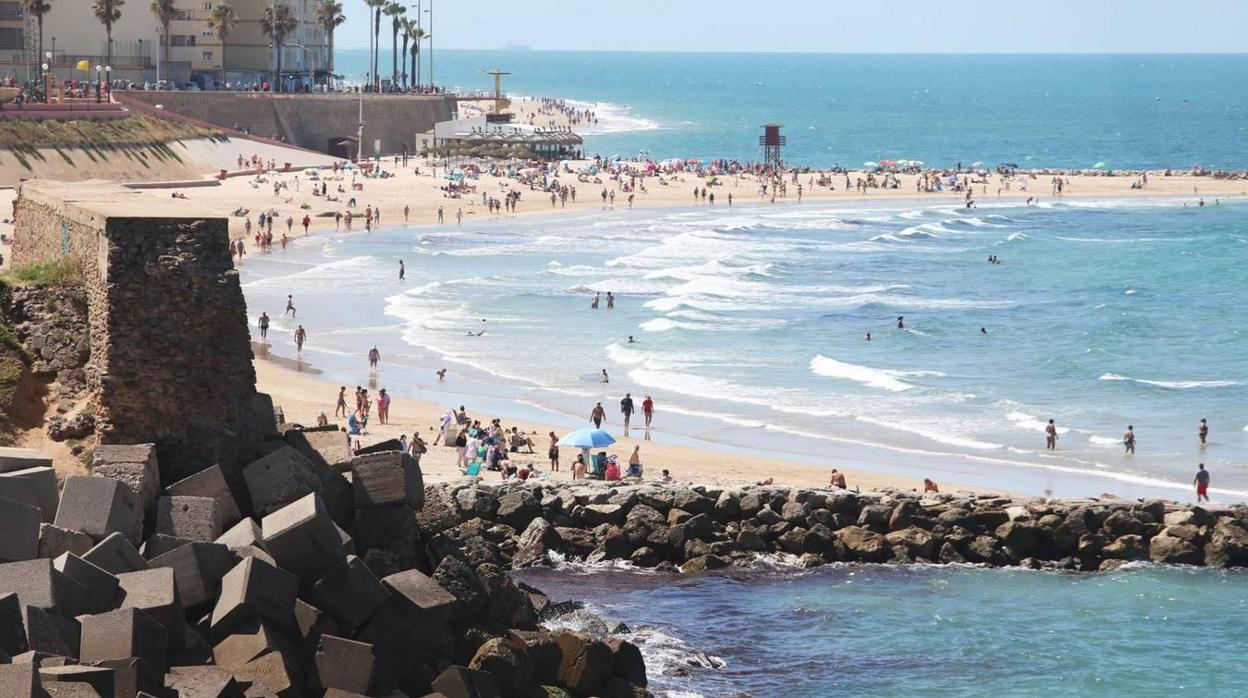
1023 537
1174 550
517 507
534 543
864 544
917 542
1127 547
1228 545
507 658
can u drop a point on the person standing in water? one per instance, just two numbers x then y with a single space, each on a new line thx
1050 436
626 408
1203 430
402 270
264 333
290 306
610 301
901 322
301 335
1202 483
647 410
374 358
597 415
1128 439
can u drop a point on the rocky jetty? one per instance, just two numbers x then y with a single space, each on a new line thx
321 581
696 529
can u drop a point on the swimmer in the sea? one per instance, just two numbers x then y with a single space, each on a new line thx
983 330
868 336
605 377
901 322
631 340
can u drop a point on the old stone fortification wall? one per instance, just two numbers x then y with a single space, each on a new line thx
170 359
311 120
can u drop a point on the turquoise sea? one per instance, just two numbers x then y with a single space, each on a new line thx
1128 111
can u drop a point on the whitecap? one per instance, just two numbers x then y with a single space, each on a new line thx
876 378
1171 385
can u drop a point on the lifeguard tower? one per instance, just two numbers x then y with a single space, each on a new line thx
771 140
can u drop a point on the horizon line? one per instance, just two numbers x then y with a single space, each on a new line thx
525 49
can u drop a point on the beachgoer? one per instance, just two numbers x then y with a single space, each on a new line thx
264 329
647 410
929 486
667 477
597 416
868 336
901 323
605 377
626 407
838 479
402 270
1202 483
631 340
1128 440
610 301
764 483
374 357
1050 436
383 406
553 452
441 374
578 468
634 463
1203 430
341 407
290 306
301 335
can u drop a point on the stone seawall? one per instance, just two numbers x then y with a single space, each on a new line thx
703 528
312 120
169 355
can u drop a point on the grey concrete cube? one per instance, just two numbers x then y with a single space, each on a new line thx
155 591
302 537
211 483
37 583
19 531
324 446
158 544
255 589
462 682
193 518
423 601
116 554
12 627
273 675
100 585
12 458
250 640
343 664
198 569
278 479
51 633
99 506
386 479
312 623
134 678
47 490
126 632
20 681
54 540
134 465
349 592
57 679
202 682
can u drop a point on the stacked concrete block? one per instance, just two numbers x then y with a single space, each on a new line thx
386 479
155 591
462 682
342 664
19 530
135 466
245 533
210 483
100 587
73 680
20 681
38 584
115 554
124 633
134 678
47 631
20 490
202 682
159 543
54 540
302 537
12 627
192 518
42 479
422 601
349 592
255 589
99 506
273 674
324 445
198 569
12 458
278 479
249 641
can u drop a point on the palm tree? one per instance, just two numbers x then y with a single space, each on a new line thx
165 13
108 12
37 9
395 11
329 15
375 7
417 34
406 33
277 22
222 21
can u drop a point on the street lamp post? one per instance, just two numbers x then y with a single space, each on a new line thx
108 77
98 69
47 81
431 82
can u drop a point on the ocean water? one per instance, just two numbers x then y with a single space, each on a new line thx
864 630
750 328
1128 111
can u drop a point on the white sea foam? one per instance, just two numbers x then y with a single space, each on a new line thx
873 377
1104 440
937 434
1027 422
612 118
1171 385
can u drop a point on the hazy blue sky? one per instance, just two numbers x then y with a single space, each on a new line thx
994 26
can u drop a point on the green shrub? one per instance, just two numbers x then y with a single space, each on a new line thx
60 272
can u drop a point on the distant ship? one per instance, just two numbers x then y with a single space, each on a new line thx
515 47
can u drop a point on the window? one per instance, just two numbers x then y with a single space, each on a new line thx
206 56
207 7
12 38
10 11
183 15
182 40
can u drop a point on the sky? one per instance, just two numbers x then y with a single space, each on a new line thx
830 26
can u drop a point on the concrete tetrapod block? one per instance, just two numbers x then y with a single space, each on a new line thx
99 679
244 533
20 681
343 664
54 540
22 458
156 592
99 506
210 483
38 583
255 589
116 554
278 479
193 518
134 465
423 601
198 569
100 586
126 632
47 490
386 479
462 682
51 633
19 531
349 592
302 537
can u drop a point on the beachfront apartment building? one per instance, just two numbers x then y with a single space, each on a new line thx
191 53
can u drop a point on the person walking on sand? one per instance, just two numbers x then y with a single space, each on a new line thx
626 407
553 453
374 358
407 210
307 220
1203 430
597 416
264 328
290 306
402 270
340 409
1128 439
383 406
301 335
1202 483
441 217
1050 436
647 410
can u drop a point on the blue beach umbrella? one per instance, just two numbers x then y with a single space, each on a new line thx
586 439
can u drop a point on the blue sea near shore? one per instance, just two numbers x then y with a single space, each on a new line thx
1069 111
751 329
875 630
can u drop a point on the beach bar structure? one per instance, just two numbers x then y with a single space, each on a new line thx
498 132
